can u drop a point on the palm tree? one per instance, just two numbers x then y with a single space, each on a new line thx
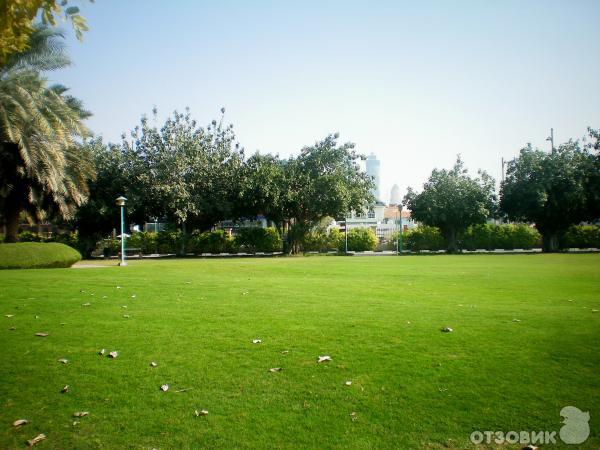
44 168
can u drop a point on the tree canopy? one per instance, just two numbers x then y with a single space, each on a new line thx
44 167
452 201
553 190
17 22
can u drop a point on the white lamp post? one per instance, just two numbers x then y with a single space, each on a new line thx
121 202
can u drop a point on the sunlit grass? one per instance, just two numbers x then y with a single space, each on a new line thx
379 318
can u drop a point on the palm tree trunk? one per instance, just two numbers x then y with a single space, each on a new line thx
12 213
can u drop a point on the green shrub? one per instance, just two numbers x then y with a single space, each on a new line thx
37 255
423 238
359 240
70 239
320 241
210 242
508 237
29 236
169 241
581 236
257 239
144 240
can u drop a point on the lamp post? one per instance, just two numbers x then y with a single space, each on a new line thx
121 202
399 240
346 231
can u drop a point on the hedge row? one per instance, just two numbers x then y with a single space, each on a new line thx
37 255
248 240
508 237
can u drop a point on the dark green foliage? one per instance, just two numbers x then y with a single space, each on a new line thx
582 236
359 240
146 241
37 255
508 237
553 190
319 240
210 242
169 241
452 201
257 239
29 236
423 238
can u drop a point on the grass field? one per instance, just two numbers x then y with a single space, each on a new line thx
379 318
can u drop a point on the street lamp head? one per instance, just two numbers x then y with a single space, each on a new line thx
121 201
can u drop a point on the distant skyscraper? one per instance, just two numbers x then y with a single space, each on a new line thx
395 195
373 171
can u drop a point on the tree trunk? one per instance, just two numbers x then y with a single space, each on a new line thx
451 240
550 242
11 216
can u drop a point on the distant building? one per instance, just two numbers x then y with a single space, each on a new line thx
395 195
372 166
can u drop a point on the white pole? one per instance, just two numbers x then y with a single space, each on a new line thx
123 263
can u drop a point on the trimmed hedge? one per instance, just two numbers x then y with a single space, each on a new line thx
507 237
36 255
581 236
256 239
321 241
423 238
359 240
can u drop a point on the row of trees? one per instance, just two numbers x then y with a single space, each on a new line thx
196 176
551 190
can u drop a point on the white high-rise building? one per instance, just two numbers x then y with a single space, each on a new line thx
372 166
395 195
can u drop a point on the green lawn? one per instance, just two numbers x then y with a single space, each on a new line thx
379 318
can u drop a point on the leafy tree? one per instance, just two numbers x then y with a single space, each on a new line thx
553 190
452 201
17 22
263 188
44 169
324 180
184 173
96 218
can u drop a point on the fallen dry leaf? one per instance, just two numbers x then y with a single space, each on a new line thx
65 389
133 296
119 287
447 330
41 334
164 387
40 437
20 422
516 320
63 360
86 304
113 354
124 306
275 369
102 352
202 412
348 383
10 315
285 352
153 364
353 416
12 328
256 341
81 414
324 359
126 316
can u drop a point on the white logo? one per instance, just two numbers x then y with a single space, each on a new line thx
574 431
576 428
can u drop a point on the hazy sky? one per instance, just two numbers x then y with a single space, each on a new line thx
414 82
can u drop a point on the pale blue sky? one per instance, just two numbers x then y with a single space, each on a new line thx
414 82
